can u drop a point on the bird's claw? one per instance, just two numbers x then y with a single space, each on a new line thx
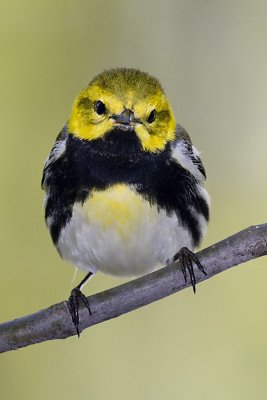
187 259
74 304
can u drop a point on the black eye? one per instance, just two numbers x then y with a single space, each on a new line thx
100 108
152 116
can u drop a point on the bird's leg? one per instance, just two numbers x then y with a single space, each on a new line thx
73 302
187 259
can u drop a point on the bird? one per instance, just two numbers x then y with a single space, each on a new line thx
124 185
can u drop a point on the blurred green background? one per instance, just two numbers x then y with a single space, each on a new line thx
211 57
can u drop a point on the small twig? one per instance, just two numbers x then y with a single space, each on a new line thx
55 322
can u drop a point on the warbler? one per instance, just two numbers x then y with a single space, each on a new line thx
124 183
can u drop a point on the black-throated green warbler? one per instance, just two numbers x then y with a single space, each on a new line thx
124 184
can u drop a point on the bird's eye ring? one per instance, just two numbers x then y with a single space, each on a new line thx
100 107
152 116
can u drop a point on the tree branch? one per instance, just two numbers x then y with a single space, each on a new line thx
55 322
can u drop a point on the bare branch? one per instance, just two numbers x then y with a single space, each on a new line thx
55 322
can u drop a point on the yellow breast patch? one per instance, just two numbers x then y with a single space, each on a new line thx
118 208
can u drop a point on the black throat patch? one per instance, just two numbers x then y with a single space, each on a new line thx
117 157
119 143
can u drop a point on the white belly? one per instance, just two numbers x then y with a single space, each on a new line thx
117 232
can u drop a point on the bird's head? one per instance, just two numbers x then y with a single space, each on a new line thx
126 99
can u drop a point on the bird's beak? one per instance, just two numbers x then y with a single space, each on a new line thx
125 118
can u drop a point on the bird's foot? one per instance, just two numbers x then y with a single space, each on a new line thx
74 300
187 259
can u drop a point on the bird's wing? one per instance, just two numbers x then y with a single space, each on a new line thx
57 151
185 153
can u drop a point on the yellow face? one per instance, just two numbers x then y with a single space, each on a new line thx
128 99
